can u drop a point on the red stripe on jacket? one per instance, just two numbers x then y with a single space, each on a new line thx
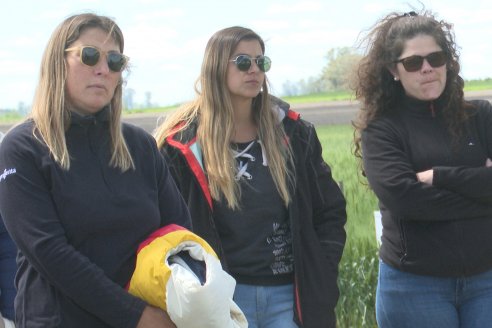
194 165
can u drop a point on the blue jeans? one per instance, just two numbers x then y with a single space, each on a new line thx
266 306
409 300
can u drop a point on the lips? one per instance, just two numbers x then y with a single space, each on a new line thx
97 86
428 81
255 82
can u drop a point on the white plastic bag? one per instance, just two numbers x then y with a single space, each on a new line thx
191 304
163 278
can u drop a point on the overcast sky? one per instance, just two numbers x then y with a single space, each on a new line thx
166 39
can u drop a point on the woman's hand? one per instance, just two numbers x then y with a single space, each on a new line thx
427 176
488 162
153 317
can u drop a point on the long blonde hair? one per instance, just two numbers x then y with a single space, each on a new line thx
213 111
50 110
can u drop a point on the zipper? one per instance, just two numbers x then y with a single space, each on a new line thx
297 299
403 241
431 107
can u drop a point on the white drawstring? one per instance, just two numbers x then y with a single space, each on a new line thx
243 165
242 171
263 154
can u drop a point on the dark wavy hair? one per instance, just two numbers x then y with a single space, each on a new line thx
375 87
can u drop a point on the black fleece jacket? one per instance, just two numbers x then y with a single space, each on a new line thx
78 230
443 229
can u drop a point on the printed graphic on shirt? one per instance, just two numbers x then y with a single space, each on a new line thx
281 240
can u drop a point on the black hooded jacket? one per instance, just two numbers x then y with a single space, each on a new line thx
317 214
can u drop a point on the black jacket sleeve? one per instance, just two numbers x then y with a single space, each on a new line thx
8 268
474 183
329 213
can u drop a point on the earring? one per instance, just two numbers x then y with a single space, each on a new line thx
395 78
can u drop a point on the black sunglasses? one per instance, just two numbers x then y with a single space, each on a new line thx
243 62
90 55
414 63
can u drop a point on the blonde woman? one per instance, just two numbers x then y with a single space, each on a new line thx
257 187
79 190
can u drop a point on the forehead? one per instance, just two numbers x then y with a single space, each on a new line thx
248 47
96 37
420 45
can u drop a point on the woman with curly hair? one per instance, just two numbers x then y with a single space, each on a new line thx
426 153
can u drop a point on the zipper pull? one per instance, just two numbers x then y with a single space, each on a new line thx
433 112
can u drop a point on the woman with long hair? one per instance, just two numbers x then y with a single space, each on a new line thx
80 190
257 187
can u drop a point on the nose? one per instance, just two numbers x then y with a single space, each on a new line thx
102 66
426 66
254 67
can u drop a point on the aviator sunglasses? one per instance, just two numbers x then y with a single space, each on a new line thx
90 55
243 62
414 63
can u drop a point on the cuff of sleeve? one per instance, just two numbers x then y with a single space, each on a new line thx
136 312
437 176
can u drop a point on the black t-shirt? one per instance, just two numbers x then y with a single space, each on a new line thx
256 238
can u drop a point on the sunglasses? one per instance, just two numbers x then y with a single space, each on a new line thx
414 63
90 55
243 63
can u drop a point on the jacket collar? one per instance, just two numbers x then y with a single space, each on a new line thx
102 116
281 107
422 108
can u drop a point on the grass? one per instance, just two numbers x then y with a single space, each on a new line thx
361 203
152 110
10 117
358 272
319 97
359 265
476 85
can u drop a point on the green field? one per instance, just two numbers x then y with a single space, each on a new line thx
359 266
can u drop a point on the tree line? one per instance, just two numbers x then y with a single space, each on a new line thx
335 75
